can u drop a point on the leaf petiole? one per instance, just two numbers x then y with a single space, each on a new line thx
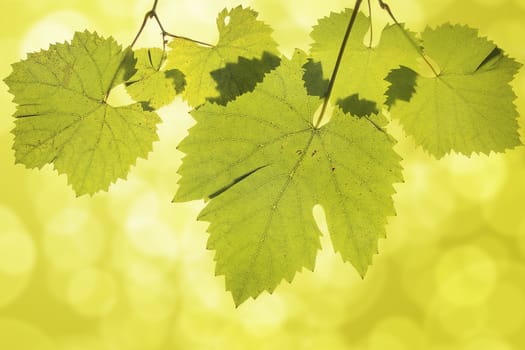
419 50
338 62
371 24
153 14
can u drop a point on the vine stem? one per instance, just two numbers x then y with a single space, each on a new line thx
338 62
152 14
387 8
371 24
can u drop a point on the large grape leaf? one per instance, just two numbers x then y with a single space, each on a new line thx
263 165
363 68
63 118
468 107
151 83
240 35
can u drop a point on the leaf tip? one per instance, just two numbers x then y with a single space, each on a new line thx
362 270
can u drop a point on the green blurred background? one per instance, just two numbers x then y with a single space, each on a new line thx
128 270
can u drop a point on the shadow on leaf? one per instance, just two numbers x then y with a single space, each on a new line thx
403 85
241 77
489 61
126 69
313 79
178 78
357 107
317 86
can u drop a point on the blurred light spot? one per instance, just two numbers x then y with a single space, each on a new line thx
147 233
124 194
74 239
396 333
153 238
458 321
416 282
502 213
411 10
331 280
17 253
197 268
331 340
442 347
490 3
487 343
17 335
9 54
17 256
424 203
57 281
92 292
205 329
150 291
466 275
205 289
508 34
123 330
115 8
50 193
296 21
433 8
520 3
56 27
193 18
265 316
469 175
520 236
74 342
463 223
507 309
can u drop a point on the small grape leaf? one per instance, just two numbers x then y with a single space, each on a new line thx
263 165
468 107
363 68
240 35
62 116
151 83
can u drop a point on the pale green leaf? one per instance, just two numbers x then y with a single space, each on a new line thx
468 107
263 165
240 35
363 68
62 116
151 83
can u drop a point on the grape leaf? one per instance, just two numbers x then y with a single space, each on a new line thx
151 83
468 107
62 116
363 68
263 165
240 35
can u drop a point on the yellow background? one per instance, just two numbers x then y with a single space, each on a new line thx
129 270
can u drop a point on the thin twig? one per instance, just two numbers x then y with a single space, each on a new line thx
371 24
153 14
338 62
386 7
188 39
147 16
